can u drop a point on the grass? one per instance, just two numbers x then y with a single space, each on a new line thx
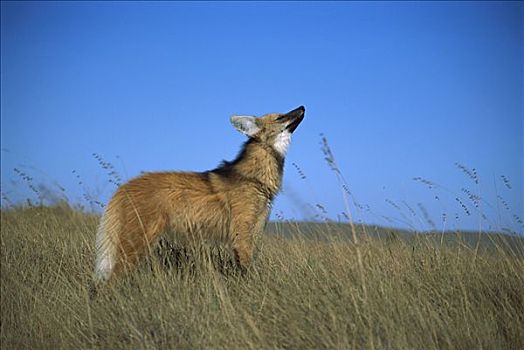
421 292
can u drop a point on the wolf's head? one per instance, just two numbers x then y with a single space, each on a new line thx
274 129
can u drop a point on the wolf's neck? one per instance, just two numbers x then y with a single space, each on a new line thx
261 163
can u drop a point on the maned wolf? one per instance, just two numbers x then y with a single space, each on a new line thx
230 203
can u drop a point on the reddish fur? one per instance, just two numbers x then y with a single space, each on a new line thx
230 203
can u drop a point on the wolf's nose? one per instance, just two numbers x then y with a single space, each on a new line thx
298 110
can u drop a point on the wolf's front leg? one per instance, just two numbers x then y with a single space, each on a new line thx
243 250
248 221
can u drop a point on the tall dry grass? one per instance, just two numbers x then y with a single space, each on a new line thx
300 293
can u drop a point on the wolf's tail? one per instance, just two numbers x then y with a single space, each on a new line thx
106 246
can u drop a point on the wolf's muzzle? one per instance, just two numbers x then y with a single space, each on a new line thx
293 118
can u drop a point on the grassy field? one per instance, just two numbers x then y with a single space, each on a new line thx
305 290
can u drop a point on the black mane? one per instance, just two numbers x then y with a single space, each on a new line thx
226 167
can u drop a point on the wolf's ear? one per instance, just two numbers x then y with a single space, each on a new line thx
245 124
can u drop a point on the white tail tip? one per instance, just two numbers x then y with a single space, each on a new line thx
105 251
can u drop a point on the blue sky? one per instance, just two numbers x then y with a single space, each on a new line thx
400 90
